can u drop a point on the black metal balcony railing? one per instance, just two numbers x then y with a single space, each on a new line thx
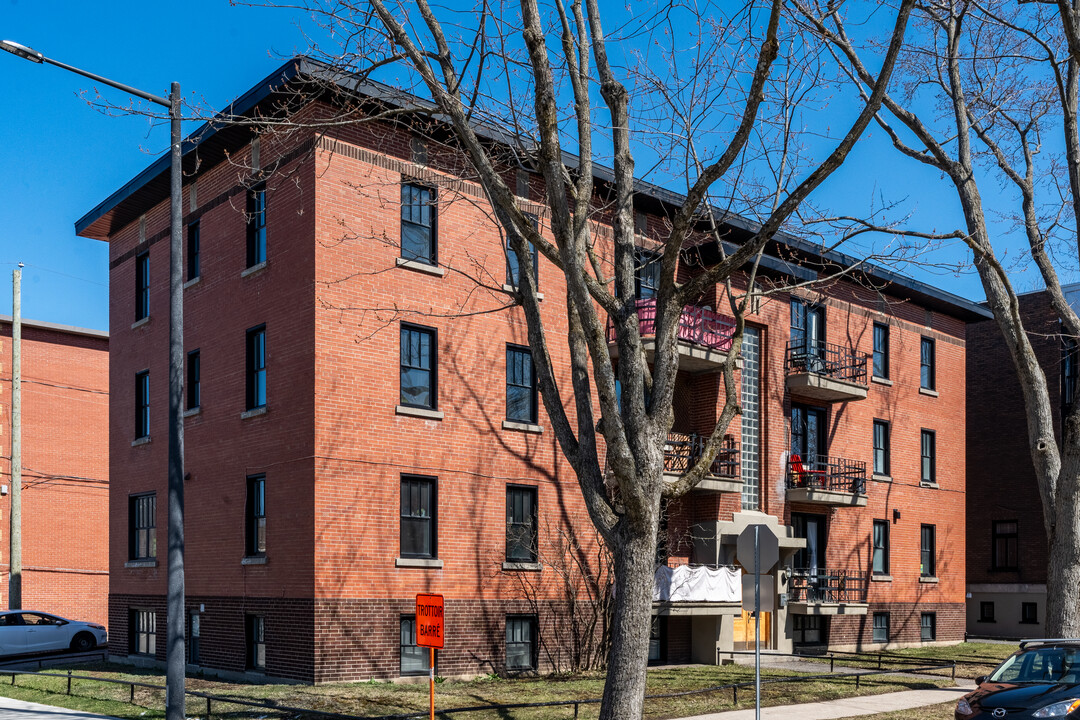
822 472
697 325
682 451
828 586
827 360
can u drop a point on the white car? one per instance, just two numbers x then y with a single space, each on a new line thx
25 631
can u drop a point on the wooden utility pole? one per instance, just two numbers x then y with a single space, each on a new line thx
15 575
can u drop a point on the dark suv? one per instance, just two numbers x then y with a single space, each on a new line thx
1040 680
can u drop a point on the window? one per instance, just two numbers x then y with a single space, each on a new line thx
256 516
520 385
142 286
521 535
418 227
512 259
415 660
194 375
143 632
256 368
928 626
807 630
418 508
927 551
1029 613
193 264
881 447
986 611
646 274
926 364
142 404
256 225
658 639
881 547
255 626
881 350
881 627
929 457
1070 371
418 377
521 642
142 540
1004 545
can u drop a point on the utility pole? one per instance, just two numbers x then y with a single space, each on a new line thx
15 573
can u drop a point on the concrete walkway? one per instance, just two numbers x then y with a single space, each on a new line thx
843 708
11 709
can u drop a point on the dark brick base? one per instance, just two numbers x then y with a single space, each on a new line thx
858 630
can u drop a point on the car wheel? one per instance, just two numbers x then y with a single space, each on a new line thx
82 642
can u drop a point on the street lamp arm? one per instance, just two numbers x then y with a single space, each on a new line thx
32 55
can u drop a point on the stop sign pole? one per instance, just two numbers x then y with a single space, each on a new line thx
765 548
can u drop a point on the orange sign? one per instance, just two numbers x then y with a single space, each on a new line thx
429 620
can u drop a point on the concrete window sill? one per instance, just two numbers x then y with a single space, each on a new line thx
931 485
522 427
139 323
421 267
523 566
928 392
140 441
928 579
419 412
881 381
140 563
881 478
191 412
256 268
511 289
253 413
254 560
430 563
880 578
193 282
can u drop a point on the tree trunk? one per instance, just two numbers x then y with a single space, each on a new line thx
1063 568
624 689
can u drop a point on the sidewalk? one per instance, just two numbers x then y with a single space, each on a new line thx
845 707
11 709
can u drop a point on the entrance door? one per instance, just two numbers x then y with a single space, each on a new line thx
810 561
808 436
744 631
808 332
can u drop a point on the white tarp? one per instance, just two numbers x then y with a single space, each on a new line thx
697 583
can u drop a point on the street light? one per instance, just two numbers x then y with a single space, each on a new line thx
174 634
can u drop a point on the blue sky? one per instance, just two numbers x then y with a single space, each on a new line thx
61 157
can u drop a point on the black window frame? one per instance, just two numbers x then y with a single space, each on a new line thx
928 627
880 630
646 274
256 225
927 551
927 456
1029 613
512 267
1070 371
658 637
880 362
1000 539
142 526
407 646
194 250
193 387
433 362
142 632
987 611
255 516
254 642
142 404
255 375
927 364
409 516
882 447
883 547
522 531
514 624
516 356
142 285
415 219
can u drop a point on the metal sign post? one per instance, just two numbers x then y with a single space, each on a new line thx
757 550
757 622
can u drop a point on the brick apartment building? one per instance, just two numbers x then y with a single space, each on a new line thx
1007 545
65 468
342 456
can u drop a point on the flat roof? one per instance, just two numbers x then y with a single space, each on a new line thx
56 327
213 139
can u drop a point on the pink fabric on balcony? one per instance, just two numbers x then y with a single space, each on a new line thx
697 325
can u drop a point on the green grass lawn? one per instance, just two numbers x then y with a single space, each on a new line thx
944 711
380 698
973 659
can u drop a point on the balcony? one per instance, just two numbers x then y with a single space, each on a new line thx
704 336
820 591
697 590
682 451
824 480
826 372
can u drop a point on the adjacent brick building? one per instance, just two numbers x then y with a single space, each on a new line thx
65 468
1007 545
362 426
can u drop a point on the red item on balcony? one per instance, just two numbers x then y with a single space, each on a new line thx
697 325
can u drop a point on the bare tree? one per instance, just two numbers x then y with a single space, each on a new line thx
544 89
1002 82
